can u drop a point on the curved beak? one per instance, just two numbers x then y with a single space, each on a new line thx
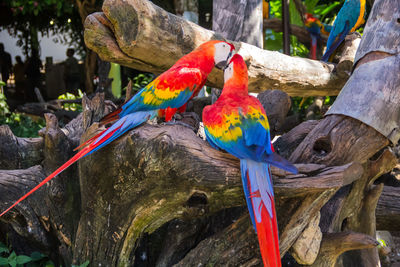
223 64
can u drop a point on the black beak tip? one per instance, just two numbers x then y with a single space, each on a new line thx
221 65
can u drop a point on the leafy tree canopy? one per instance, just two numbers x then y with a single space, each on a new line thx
25 18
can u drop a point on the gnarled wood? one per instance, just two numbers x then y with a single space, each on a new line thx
19 153
334 244
388 209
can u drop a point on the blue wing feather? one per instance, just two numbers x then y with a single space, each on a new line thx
345 21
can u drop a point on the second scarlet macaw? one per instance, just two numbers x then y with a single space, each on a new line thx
315 27
162 97
349 18
237 123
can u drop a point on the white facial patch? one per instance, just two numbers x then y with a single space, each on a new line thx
222 51
228 73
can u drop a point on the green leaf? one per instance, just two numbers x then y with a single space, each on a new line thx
13 263
3 248
3 261
12 256
295 17
85 264
22 259
310 5
49 264
37 256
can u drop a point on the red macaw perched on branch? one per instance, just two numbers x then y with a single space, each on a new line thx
349 18
315 27
163 96
237 123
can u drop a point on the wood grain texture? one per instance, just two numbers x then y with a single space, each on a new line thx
239 20
19 153
382 31
335 244
377 102
388 209
143 36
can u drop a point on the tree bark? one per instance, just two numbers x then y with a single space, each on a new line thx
388 210
136 42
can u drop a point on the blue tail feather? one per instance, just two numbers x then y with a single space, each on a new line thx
121 126
257 185
334 44
280 162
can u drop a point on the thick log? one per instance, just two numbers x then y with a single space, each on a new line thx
388 210
19 153
334 244
347 53
223 249
288 142
136 42
276 104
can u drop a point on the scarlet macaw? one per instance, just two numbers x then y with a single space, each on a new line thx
349 18
237 123
163 96
315 27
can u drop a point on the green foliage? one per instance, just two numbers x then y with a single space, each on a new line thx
3 105
20 124
72 106
85 264
10 258
382 243
140 81
326 11
25 18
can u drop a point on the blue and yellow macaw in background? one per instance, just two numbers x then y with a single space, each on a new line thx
349 18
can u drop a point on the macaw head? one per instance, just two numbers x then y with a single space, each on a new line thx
310 19
223 51
236 70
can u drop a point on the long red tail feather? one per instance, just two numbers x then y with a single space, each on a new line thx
267 232
91 140
111 117
51 176
75 158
